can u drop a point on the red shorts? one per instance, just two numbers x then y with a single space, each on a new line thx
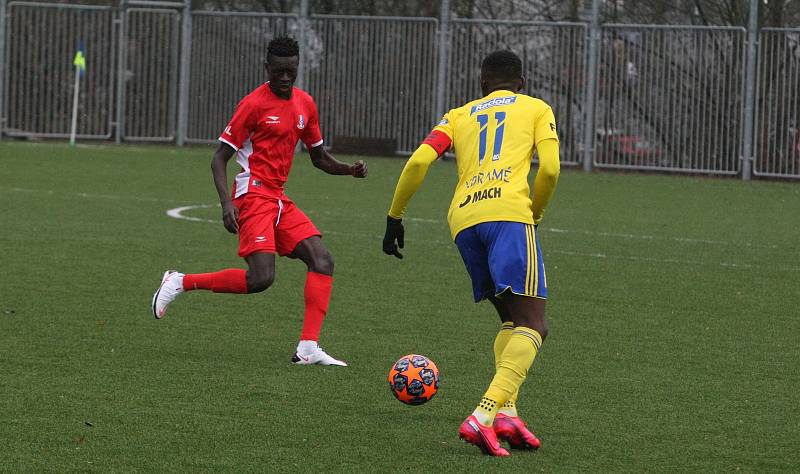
271 225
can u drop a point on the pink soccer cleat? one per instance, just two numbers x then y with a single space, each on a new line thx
481 436
513 430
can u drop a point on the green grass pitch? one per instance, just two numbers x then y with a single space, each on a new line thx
673 314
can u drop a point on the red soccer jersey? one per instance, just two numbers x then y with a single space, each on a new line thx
264 131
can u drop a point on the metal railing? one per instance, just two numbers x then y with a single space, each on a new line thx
373 77
671 98
777 130
151 74
38 71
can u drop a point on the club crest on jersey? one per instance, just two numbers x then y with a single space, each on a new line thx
301 122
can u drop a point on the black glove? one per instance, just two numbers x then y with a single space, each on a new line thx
394 231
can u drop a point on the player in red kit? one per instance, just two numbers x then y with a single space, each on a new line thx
263 134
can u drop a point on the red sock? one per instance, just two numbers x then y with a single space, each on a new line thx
317 296
232 280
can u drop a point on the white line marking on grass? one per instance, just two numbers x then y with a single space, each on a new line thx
419 219
91 196
326 212
656 237
656 260
177 213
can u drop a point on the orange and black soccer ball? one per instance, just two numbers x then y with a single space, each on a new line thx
414 379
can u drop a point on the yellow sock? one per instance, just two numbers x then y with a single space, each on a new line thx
500 341
517 358
509 408
486 411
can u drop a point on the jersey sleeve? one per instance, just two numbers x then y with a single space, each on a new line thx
544 185
410 179
312 136
240 127
545 126
441 137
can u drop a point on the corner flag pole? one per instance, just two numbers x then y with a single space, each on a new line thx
80 67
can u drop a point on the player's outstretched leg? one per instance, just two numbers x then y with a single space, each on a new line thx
171 286
231 280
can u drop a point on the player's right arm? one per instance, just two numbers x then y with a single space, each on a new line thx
234 136
409 182
219 169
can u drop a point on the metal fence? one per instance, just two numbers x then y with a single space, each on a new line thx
151 74
777 135
373 77
666 98
670 98
39 74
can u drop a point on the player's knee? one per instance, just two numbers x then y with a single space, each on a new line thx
543 330
323 263
538 324
258 282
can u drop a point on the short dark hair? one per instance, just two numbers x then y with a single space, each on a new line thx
503 65
283 47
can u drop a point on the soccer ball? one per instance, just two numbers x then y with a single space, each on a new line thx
414 379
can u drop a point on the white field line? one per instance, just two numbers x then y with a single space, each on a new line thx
50 192
656 237
178 213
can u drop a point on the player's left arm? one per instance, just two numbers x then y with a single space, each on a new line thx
327 163
544 185
312 137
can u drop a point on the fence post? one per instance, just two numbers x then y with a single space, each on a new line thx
750 92
3 67
444 50
590 88
183 85
122 65
303 24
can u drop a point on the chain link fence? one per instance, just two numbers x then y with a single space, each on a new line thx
668 98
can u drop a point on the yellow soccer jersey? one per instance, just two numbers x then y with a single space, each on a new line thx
494 139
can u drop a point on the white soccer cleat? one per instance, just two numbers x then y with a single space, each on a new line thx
171 287
316 357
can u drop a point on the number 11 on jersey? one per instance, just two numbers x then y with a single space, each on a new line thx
483 123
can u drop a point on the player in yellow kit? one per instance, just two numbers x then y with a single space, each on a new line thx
493 222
